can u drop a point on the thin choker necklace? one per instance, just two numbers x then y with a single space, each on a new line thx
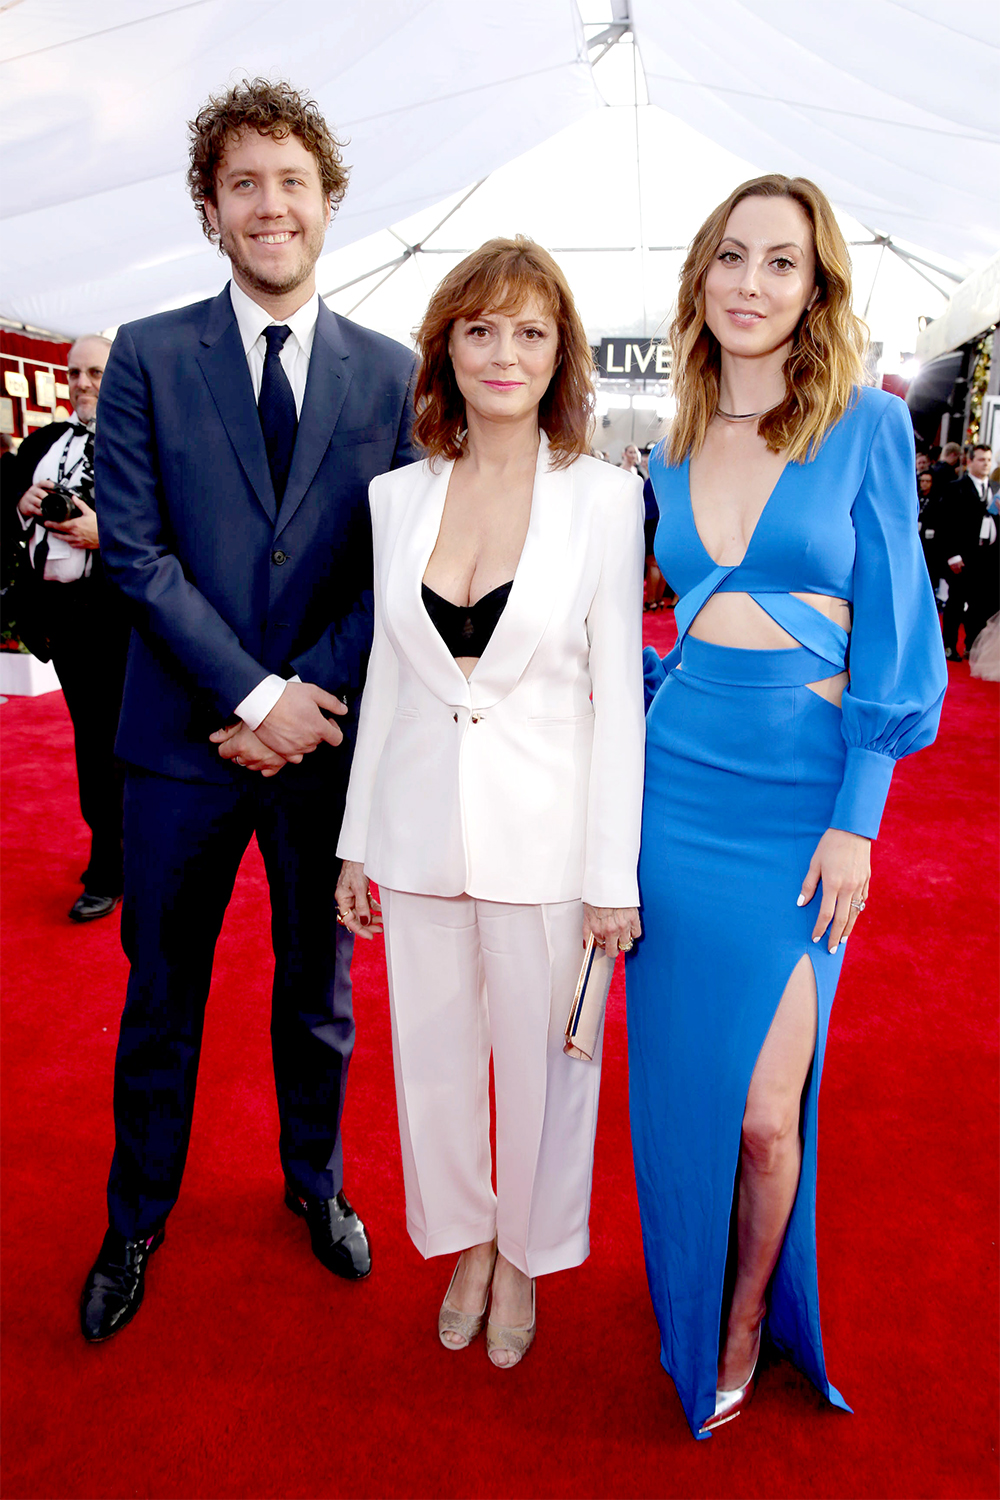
744 416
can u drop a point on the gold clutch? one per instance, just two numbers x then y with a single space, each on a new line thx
587 1011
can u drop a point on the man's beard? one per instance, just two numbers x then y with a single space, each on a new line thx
311 249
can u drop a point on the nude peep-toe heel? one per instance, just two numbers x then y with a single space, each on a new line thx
465 1325
516 1341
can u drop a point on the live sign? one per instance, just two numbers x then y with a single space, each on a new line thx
634 359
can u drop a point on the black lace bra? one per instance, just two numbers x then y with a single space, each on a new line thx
466 628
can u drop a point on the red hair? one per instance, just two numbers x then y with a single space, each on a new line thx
500 277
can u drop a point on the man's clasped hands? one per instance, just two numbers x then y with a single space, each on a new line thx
296 725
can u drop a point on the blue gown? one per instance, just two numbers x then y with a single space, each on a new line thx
746 767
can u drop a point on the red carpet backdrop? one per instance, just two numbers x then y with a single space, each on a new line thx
252 1372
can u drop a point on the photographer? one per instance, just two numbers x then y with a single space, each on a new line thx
67 612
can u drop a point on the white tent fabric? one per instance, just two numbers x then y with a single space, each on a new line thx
97 226
891 104
886 102
974 307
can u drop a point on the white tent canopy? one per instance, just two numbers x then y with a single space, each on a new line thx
974 307
885 102
890 104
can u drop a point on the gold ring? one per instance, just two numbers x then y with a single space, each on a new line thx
857 905
341 919
238 759
624 947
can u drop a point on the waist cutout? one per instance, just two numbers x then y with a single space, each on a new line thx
737 667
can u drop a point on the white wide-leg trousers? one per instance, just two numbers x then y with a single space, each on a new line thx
467 977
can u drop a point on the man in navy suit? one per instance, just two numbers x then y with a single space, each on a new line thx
237 440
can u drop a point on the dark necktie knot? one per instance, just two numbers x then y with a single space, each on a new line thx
276 336
276 405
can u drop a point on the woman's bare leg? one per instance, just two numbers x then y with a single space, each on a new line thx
656 584
770 1162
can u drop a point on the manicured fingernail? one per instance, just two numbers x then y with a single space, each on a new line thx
801 901
365 921
834 948
816 939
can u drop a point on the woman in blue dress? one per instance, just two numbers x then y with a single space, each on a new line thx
809 659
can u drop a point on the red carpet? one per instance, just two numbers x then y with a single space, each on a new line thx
252 1372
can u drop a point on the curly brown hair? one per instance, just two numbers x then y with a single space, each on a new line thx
826 362
274 109
500 277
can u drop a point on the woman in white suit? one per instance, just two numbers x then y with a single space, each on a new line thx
496 788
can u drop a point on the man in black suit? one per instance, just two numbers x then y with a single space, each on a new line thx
945 471
67 612
237 441
969 546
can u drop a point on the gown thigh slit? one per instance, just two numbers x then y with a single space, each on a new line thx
731 1268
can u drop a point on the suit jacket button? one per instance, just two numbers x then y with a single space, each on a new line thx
279 557
455 717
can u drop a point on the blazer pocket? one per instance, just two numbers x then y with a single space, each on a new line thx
407 713
546 721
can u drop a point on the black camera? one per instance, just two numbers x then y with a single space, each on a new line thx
60 505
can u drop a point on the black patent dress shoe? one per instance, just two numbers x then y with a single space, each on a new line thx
88 907
339 1239
112 1293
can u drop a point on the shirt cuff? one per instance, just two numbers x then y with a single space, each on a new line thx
863 790
256 706
956 559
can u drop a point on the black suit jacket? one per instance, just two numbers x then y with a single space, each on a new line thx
944 476
962 511
224 587
27 605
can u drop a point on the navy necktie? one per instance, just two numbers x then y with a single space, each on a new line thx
276 406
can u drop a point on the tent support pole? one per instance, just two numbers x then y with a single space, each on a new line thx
392 266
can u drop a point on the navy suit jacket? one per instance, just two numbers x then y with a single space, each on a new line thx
223 588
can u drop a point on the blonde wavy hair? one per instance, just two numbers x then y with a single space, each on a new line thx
826 362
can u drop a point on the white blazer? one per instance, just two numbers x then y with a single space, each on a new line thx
522 783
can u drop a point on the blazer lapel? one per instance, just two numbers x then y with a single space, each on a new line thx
225 368
408 619
326 389
532 597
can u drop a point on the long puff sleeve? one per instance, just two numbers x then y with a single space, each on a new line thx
898 674
654 673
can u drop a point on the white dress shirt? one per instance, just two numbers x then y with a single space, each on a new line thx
987 530
252 319
63 563
988 527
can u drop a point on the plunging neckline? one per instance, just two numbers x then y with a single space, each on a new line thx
531 597
757 524
437 537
